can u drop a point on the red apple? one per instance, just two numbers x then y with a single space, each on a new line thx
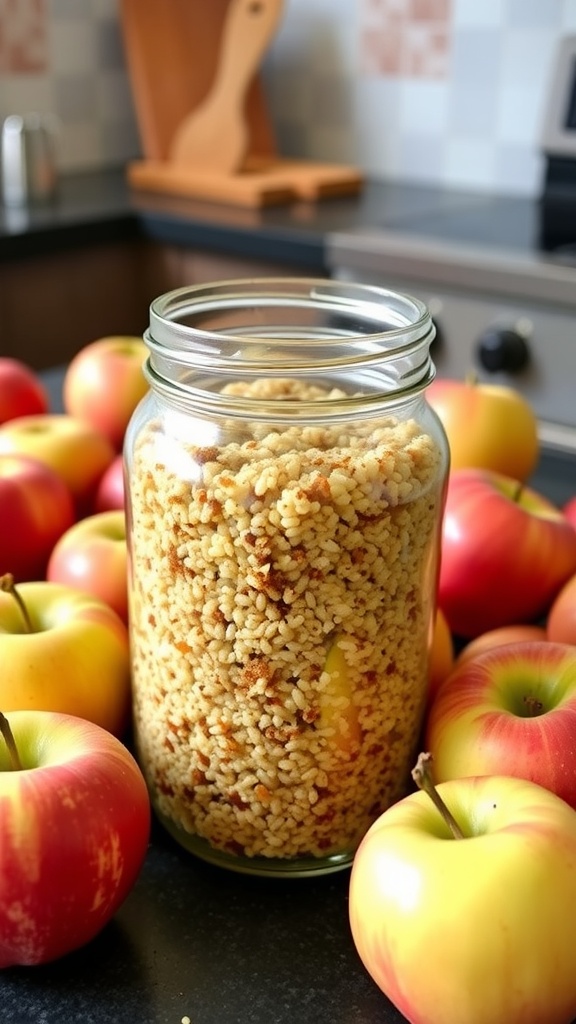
74 833
506 552
22 393
110 493
489 426
569 510
561 618
63 650
71 447
104 383
509 711
92 555
36 508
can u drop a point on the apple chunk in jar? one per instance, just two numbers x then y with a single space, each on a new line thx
284 534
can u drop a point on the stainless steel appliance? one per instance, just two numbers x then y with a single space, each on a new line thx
504 306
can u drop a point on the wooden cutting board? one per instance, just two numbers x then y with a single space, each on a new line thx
172 49
176 50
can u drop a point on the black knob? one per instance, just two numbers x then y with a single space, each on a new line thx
501 348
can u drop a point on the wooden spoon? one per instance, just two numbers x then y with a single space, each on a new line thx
215 135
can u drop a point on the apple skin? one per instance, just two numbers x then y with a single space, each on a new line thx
504 555
498 637
92 555
479 722
476 930
111 492
104 383
569 510
71 447
442 654
561 618
489 426
76 661
36 508
74 833
22 393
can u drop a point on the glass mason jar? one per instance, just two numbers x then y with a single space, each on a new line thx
286 481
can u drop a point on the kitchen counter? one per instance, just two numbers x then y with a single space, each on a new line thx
99 206
88 208
220 948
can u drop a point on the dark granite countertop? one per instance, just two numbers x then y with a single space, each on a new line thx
217 947
88 208
99 206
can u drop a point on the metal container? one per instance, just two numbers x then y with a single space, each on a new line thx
28 159
285 490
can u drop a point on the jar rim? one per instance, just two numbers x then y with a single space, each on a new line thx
370 324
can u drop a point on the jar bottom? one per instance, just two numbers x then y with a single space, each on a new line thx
271 867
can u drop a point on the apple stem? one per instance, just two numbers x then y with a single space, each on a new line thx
423 778
15 762
8 586
533 706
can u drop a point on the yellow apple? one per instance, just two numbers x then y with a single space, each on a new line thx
75 450
63 650
489 426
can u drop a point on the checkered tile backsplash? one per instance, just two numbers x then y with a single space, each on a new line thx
448 92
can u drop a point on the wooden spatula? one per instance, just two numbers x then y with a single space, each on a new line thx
215 135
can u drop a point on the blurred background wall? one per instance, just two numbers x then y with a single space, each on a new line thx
448 92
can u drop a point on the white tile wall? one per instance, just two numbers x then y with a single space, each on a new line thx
476 127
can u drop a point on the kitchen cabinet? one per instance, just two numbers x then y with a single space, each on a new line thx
172 266
54 303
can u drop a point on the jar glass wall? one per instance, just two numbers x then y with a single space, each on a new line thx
286 482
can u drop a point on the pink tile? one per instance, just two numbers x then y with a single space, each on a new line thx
406 37
382 53
23 37
430 10
426 52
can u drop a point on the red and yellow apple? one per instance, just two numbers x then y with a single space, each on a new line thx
561 618
22 392
104 383
506 551
79 453
489 426
478 930
92 556
63 650
74 832
509 711
36 508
